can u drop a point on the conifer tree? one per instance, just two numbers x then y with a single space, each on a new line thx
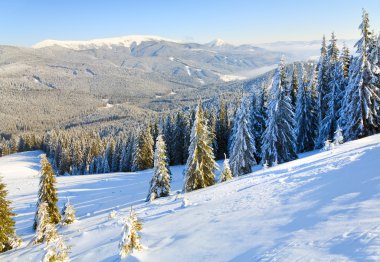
322 87
222 129
226 172
130 239
160 183
314 105
257 124
334 93
278 139
242 151
303 117
168 133
8 238
56 251
178 139
143 157
45 230
360 111
68 213
47 193
199 170
294 86
345 60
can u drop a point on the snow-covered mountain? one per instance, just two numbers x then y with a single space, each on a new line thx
126 41
324 206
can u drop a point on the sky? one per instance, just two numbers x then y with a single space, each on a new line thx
26 22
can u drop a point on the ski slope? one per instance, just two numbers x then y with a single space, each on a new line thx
324 206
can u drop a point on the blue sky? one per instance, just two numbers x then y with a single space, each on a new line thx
25 22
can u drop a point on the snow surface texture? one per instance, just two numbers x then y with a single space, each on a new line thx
324 206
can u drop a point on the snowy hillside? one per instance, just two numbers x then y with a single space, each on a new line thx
323 207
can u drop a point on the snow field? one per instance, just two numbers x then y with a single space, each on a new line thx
324 206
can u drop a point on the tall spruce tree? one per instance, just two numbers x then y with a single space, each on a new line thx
294 86
160 183
314 105
303 116
222 129
361 104
279 142
8 238
47 193
257 123
143 157
178 139
242 150
322 87
333 96
200 166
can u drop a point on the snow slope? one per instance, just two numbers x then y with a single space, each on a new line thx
324 206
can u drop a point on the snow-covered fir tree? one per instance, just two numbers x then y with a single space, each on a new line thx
338 136
242 150
322 87
45 230
200 166
279 142
160 183
143 157
257 123
222 129
68 213
47 192
178 139
360 111
130 239
303 116
226 172
314 105
334 93
293 87
8 237
56 250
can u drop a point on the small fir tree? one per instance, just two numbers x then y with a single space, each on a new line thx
338 136
68 213
160 183
130 239
56 251
45 230
226 173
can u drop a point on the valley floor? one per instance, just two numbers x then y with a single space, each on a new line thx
324 206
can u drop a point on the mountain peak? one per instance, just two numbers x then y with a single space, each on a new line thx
217 43
125 41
